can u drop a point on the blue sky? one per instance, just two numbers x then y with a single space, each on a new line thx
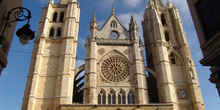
13 79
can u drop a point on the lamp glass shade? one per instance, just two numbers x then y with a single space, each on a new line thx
25 34
24 39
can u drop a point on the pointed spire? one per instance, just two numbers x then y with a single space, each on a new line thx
113 10
94 23
51 1
94 17
169 4
87 41
140 42
133 24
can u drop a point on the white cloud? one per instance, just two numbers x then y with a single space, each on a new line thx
132 3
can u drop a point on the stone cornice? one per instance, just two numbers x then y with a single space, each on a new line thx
114 42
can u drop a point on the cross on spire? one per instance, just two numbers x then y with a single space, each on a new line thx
113 9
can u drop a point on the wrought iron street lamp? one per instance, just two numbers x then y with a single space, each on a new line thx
25 33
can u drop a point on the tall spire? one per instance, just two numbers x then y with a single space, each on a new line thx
94 23
133 24
94 17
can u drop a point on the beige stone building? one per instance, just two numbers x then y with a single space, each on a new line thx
115 72
5 7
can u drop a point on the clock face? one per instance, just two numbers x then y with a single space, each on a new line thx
182 93
114 35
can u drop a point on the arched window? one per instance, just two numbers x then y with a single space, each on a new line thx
55 16
163 20
61 16
131 98
111 97
167 36
59 31
121 97
51 32
101 97
172 59
113 24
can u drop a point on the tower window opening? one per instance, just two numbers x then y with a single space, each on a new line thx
59 31
61 16
101 97
163 20
172 59
167 36
51 32
113 24
55 16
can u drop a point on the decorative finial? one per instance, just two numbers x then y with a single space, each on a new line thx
113 9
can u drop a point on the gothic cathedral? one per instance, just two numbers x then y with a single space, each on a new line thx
114 76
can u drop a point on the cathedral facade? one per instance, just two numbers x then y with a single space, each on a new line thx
114 75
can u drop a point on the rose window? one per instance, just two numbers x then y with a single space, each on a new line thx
115 69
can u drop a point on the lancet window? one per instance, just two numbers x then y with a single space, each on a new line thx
113 24
102 97
54 16
163 20
121 97
51 32
111 97
131 98
59 31
167 36
172 59
61 16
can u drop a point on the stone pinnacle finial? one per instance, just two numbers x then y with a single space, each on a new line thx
94 17
52 1
113 9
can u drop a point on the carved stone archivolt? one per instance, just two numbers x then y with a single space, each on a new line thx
115 69
101 51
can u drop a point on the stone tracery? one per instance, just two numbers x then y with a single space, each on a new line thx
115 69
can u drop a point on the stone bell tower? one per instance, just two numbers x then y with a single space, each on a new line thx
50 78
168 54
114 66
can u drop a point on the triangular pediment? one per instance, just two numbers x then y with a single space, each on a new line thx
113 18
